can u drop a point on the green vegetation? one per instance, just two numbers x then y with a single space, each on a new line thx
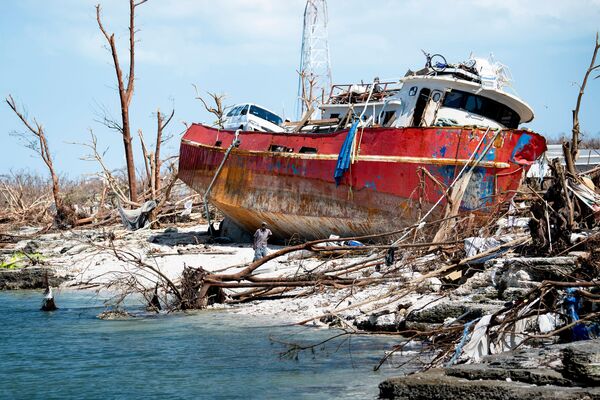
20 259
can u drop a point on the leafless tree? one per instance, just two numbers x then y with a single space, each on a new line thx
36 141
308 96
218 110
571 149
152 161
160 126
125 91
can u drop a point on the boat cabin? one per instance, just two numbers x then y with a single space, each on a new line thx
468 94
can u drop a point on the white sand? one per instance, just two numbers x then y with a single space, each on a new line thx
86 255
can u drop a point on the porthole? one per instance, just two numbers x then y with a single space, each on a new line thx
412 91
436 97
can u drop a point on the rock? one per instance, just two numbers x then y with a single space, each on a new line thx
29 278
420 326
536 268
432 285
384 321
581 360
31 247
564 371
479 280
513 294
115 315
232 230
440 312
435 384
535 376
222 240
179 238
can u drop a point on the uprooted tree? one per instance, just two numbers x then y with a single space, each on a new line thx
125 91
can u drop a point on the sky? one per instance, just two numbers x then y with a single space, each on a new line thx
54 61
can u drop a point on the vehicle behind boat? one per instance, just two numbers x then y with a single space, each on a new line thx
251 117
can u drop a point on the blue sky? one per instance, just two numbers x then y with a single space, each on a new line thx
53 59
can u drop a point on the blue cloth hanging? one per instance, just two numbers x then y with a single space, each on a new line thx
343 162
579 331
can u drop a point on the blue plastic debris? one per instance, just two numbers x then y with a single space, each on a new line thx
343 162
355 243
571 302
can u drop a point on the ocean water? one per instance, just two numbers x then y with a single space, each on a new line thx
70 353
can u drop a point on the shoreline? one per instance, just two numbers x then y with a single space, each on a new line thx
85 261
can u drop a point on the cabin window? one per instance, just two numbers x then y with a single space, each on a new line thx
336 115
307 150
387 117
483 106
234 111
280 149
266 115
436 96
244 110
420 106
218 143
453 99
412 91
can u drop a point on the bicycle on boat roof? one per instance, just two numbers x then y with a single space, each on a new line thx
436 62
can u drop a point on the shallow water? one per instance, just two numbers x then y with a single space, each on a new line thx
70 353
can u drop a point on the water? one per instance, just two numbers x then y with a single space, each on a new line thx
70 353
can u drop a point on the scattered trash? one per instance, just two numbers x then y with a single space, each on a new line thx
353 243
138 218
187 208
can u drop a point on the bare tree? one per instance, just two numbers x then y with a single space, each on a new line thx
161 125
125 91
571 149
39 144
308 82
152 160
218 110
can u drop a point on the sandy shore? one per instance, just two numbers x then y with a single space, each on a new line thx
87 258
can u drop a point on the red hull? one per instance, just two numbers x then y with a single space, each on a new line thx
295 192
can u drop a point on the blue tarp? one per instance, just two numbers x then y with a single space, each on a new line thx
343 162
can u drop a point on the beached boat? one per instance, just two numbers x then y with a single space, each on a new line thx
379 157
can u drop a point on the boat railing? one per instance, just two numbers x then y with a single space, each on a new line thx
358 93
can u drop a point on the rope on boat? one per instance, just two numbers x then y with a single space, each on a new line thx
356 149
234 143
421 222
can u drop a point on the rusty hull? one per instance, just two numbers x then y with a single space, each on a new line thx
295 193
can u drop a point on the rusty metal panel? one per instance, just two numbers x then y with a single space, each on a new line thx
296 192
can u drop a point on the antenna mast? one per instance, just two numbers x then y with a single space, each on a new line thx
314 81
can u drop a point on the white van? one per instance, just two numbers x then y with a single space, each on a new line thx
250 117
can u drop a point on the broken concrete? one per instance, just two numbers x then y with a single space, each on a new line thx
565 371
435 384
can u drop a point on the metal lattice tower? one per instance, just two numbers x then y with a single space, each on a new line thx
314 81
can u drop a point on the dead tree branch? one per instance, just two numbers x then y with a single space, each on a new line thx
218 110
125 91
161 125
40 145
571 150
